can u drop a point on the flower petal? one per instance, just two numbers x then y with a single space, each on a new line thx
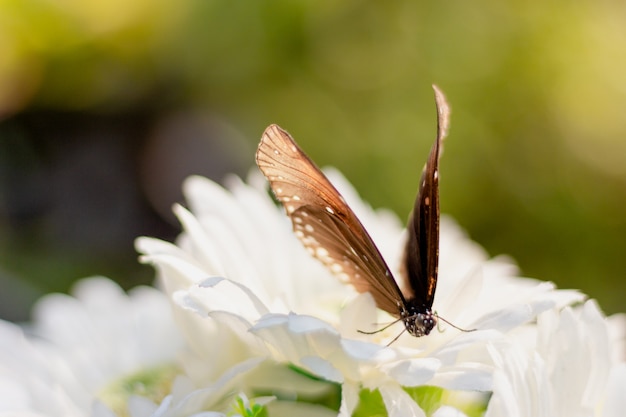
298 339
412 372
447 411
399 403
615 400
349 398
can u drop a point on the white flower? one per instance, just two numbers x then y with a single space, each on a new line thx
77 347
568 371
247 313
103 353
244 280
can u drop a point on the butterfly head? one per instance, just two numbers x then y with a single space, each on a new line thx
418 320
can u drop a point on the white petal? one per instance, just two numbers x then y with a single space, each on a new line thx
85 327
186 403
399 403
465 376
617 334
151 246
322 368
367 351
599 353
349 398
615 401
575 370
217 293
523 304
299 409
205 248
359 314
463 295
447 411
296 338
176 272
98 409
412 372
141 407
519 385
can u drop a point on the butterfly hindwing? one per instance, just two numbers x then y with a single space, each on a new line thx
421 257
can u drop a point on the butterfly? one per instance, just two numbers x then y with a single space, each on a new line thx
332 233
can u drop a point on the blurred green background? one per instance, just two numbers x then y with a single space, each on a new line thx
106 105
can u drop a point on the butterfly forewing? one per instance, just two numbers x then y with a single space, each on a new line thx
322 220
421 257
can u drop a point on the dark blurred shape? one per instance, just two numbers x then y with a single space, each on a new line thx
16 297
71 197
188 143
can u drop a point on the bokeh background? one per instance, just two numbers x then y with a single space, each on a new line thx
106 105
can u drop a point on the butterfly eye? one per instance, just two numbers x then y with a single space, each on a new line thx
426 322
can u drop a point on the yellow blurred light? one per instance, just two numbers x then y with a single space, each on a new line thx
590 93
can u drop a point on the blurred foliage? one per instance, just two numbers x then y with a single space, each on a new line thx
535 165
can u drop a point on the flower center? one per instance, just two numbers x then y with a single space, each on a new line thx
153 383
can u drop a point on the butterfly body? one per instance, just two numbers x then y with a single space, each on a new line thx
333 234
418 320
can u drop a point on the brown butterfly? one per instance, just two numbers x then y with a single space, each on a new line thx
333 234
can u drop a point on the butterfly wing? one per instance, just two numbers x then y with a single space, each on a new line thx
421 257
322 220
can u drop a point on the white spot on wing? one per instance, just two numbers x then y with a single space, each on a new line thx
330 210
321 252
343 276
308 228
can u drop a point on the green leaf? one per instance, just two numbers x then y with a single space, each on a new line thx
427 397
254 410
370 404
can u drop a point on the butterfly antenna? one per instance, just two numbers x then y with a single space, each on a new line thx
381 329
456 327
386 327
396 338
